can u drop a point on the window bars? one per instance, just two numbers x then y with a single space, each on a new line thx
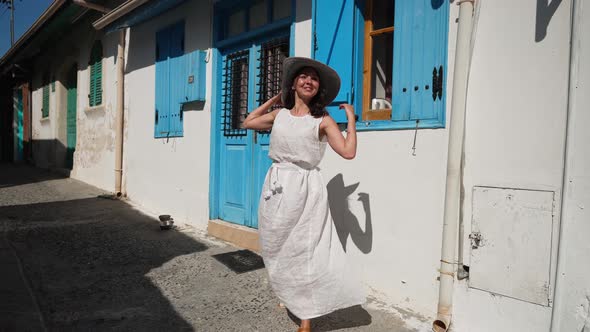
271 56
235 93
270 70
235 82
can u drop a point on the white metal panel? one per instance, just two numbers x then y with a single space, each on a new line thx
511 243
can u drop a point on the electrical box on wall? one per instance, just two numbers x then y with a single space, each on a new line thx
511 243
195 76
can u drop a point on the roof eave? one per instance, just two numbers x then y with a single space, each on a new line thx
47 14
124 9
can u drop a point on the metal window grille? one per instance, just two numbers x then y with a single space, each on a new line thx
270 70
235 93
271 56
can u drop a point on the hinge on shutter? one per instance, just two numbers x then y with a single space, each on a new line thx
437 83
434 83
440 82
156 116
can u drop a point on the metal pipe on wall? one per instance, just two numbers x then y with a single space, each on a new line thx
119 117
455 151
569 162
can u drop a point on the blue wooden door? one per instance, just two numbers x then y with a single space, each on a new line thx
250 76
419 67
19 116
236 142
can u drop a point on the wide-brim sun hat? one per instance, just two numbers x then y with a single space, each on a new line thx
329 79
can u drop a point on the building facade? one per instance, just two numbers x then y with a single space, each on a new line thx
193 70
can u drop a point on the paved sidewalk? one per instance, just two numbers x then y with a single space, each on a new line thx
72 261
18 308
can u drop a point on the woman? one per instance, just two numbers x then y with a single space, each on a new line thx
304 259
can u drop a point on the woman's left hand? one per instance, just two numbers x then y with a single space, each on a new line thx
349 109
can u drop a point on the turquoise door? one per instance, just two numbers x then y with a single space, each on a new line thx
19 134
72 97
250 75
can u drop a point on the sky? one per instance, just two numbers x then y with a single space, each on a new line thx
26 13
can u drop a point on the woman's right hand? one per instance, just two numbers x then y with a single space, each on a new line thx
276 99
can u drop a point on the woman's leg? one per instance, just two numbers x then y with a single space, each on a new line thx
306 324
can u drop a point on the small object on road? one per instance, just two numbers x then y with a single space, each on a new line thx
107 196
166 222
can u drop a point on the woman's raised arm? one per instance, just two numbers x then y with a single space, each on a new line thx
260 118
345 147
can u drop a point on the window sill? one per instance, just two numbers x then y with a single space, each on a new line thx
176 135
380 125
44 120
93 109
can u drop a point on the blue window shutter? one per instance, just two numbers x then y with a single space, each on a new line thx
196 68
334 45
178 79
161 123
420 45
402 60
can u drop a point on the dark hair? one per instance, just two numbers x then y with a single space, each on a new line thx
317 105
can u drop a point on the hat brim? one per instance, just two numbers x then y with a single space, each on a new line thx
329 79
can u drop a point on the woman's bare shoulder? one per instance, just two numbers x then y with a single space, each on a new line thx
327 121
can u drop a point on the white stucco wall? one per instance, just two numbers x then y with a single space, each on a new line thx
94 159
167 176
515 137
94 153
572 300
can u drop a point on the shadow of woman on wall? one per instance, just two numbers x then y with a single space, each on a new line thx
346 223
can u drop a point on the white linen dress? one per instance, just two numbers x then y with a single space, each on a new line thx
305 261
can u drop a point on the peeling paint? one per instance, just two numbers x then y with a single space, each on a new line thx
96 136
411 319
584 314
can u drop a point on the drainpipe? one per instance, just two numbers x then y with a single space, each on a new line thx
455 151
119 119
570 171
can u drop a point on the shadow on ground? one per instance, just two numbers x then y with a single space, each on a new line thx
341 319
16 175
87 262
